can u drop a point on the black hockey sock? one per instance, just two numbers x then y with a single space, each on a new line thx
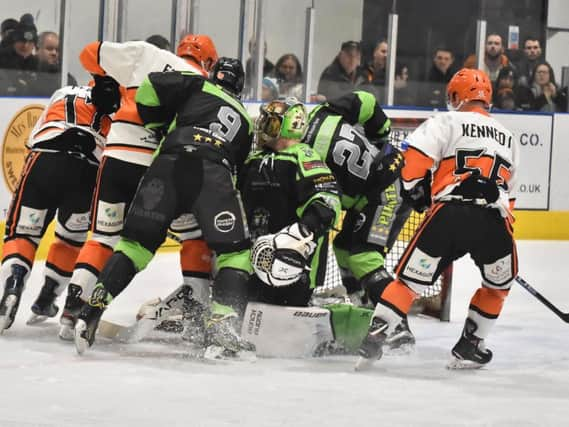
117 274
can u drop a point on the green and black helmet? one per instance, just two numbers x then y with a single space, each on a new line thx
281 118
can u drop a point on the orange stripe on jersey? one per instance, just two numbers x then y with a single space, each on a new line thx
20 190
95 198
489 301
20 246
95 254
62 256
436 207
89 58
399 295
195 256
56 112
417 164
127 111
119 147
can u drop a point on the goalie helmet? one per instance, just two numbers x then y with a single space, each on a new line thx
278 266
281 118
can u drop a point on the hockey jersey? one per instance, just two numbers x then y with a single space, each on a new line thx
71 112
129 63
456 145
347 152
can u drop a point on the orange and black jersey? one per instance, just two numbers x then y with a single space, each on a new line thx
197 112
71 123
456 145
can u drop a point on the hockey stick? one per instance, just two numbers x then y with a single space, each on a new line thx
542 299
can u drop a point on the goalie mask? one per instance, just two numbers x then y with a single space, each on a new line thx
281 259
281 118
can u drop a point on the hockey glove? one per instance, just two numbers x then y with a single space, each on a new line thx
106 95
281 259
387 170
419 197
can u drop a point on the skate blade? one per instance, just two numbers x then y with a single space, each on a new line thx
36 319
66 333
11 301
81 344
459 364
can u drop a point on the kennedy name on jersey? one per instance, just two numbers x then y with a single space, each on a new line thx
484 131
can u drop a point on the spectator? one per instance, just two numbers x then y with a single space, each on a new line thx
343 75
505 80
288 73
532 55
433 91
250 68
376 70
544 94
7 27
403 94
443 68
270 89
48 77
159 41
504 100
20 55
494 57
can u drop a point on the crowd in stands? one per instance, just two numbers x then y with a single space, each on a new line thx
30 65
522 79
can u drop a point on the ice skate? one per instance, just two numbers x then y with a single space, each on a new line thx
11 299
44 307
371 348
469 352
71 309
221 337
89 317
402 338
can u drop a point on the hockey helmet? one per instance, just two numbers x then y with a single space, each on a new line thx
281 118
199 47
468 85
228 73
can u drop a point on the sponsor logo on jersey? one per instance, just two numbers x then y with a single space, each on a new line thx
14 149
110 217
314 164
500 271
421 266
78 222
31 221
224 221
152 192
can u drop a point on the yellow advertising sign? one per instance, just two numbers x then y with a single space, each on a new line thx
14 149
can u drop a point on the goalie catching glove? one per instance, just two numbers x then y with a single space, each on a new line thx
280 259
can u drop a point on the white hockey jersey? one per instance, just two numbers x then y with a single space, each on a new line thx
453 145
70 107
129 63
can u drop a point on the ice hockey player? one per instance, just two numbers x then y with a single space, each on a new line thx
128 153
209 134
291 201
368 176
465 161
57 181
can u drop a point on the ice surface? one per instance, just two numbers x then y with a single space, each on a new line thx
44 383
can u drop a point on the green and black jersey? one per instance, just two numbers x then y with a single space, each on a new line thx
279 187
348 153
185 102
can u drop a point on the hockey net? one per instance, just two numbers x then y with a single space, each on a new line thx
435 301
